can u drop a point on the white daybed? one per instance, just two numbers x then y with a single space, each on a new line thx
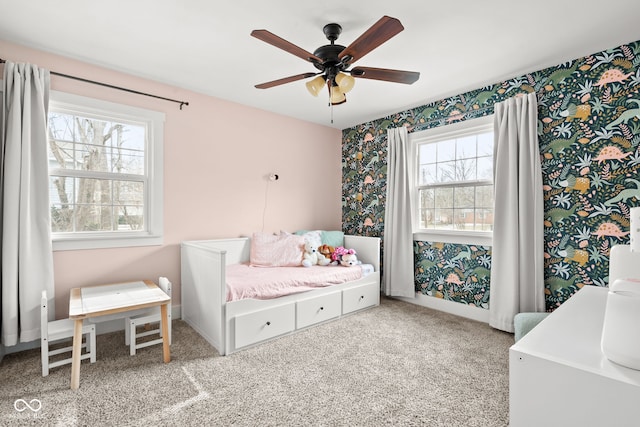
231 326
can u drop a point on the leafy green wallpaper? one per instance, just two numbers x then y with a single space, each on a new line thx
589 133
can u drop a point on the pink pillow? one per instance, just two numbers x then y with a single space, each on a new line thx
276 250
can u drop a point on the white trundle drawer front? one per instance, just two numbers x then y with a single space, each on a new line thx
318 309
264 324
361 297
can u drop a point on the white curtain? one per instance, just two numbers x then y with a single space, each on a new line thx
27 261
517 283
398 269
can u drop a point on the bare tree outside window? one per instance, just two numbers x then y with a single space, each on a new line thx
97 180
455 186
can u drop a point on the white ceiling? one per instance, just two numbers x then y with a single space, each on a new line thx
205 46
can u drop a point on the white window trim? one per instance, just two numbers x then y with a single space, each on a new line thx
467 127
154 203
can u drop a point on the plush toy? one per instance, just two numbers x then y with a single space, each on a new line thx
340 253
349 260
327 252
323 260
337 254
312 256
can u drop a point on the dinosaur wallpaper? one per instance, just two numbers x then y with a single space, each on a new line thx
589 137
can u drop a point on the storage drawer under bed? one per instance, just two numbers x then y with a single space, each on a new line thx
260 325
360 297
318 309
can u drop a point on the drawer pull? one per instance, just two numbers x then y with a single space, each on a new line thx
321 308
268 323
361 297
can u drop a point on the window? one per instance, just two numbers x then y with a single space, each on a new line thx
454 182
105 174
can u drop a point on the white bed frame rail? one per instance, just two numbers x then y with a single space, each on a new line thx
204 305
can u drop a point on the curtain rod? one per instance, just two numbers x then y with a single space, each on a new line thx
463 115
2 61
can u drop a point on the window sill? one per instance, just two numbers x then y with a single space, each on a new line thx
458 237
73 244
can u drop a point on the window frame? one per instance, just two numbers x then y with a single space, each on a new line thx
152 235
433 135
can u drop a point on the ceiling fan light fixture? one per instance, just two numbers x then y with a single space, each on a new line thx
345 82
314 86
337 96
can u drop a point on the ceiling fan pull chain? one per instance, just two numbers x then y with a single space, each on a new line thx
331 106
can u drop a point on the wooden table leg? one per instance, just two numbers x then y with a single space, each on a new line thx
77 349
166 355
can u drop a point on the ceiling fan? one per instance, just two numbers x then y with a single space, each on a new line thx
333 60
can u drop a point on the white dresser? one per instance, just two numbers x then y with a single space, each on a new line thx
558 375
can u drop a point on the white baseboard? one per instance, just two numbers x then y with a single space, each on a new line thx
101 328
451 307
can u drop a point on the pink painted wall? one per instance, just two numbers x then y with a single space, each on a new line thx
217 155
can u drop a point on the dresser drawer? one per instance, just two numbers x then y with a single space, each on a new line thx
318 309
264 324
361 297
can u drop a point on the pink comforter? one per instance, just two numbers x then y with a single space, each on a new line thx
244 281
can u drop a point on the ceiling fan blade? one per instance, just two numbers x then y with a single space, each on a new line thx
285 45
380 32
396 76
282 81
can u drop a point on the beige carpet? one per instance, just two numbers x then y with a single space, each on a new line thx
396 364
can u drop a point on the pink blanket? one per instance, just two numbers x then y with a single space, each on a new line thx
244 281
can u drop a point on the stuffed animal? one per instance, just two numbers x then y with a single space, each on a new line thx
339 254
349 260
327 252
312 256
323 260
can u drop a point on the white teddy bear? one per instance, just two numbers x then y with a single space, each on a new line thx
312 256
